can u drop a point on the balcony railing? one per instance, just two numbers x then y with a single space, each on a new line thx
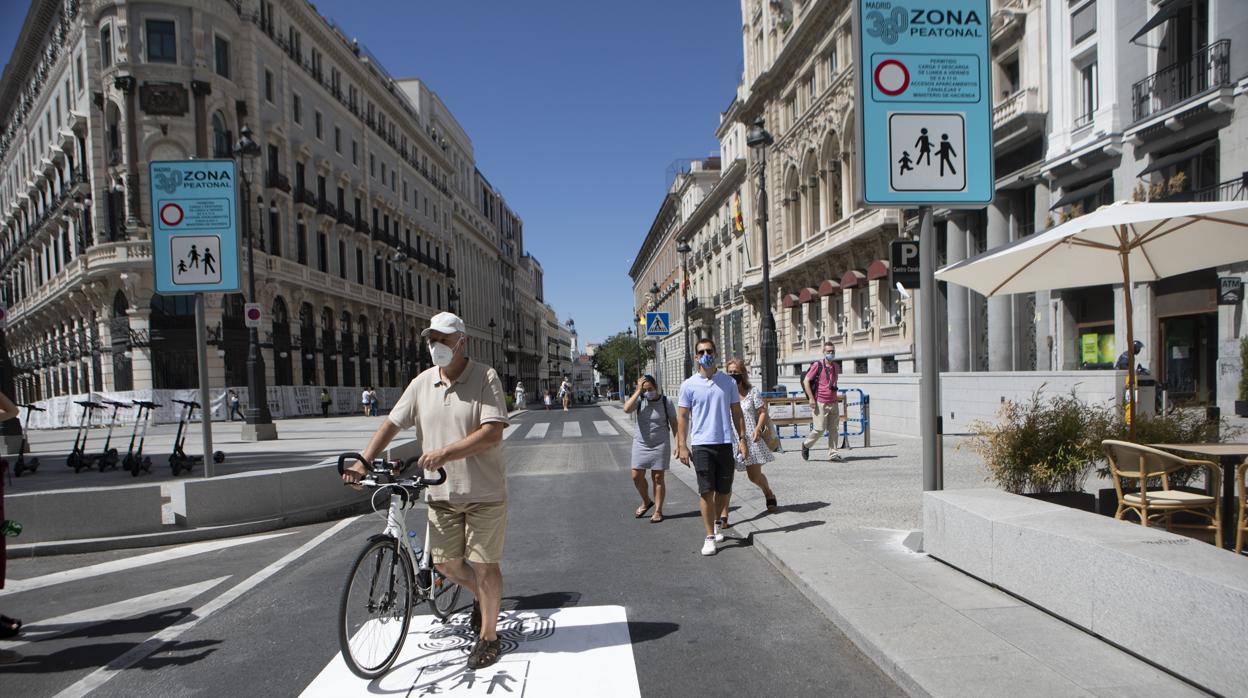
1023 101
277 180
1207 68
1230 190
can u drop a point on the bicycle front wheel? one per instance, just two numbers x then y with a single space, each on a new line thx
376 609
442 595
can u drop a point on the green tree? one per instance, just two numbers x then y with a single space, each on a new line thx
621 346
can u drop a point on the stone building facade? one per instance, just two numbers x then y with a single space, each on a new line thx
372 215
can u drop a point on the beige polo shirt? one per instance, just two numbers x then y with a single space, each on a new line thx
444 414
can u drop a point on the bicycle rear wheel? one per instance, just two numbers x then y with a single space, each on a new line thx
376 609
442 595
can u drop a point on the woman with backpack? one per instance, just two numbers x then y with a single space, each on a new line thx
652 443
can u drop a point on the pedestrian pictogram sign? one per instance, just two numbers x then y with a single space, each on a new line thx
924 107
195 226
657 325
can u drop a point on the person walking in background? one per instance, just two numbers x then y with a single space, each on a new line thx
9 627
754 410
546 399
457 407
820 386
652 445
232 403
364 402
519 395
373 402
326 401
707 411
565 393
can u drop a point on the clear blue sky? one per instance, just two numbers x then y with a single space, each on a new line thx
575 109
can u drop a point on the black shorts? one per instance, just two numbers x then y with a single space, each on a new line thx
715 466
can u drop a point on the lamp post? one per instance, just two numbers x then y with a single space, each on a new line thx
399 258
493 355
684 249
760 139
654 303
257 422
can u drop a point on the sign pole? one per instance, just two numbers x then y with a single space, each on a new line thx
201 356
929 355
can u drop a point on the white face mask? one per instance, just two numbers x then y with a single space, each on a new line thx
442 355
651 395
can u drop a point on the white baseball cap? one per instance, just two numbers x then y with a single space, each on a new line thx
446 323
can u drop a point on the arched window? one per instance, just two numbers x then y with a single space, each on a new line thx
221 137
793 209
119 336
283 373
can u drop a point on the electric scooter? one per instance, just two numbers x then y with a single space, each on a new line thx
77 458
134 460
23 464
179 460
107 460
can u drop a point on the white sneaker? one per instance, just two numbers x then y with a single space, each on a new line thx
708 545
719 533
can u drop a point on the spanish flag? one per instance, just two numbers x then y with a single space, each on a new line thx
737 220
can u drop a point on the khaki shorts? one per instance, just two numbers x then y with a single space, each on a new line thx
468 531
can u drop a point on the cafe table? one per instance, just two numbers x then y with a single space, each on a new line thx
1229 456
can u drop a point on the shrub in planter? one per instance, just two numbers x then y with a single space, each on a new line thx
1241 405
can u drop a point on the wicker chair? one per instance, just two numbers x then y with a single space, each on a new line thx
1241 529
1128 461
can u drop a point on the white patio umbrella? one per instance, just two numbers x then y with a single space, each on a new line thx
1121 243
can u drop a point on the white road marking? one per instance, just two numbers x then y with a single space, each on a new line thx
605 428
36 631
547 653
510 431
15 586
538 431
571 429
97 678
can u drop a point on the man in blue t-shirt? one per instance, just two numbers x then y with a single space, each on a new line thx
706 413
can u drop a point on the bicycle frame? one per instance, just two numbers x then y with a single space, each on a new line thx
396 528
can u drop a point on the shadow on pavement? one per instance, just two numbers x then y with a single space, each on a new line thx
94 656
643 630
534 602
797 507
790 528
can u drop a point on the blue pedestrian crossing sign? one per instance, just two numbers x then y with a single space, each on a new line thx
658 325
195 246
924 117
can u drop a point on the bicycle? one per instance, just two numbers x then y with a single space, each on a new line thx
389 577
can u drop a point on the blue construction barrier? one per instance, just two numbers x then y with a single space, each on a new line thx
850 425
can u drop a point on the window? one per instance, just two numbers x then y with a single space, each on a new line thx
296 107
162 42
316 119
862 307
338 140
106 48
1087 94
1083 22
301 241
268 86
359 267
220 137
372 165
792 110
832 66
342 259
810 90
322 253
221 50
355 153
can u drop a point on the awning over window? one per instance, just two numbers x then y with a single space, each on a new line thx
1165 161
1081 193
877 270
789 300
808 294
852 278
828 287
1168 9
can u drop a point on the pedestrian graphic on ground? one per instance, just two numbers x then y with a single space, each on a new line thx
430 690
500 680
924 144
946 150
917 173
198 259
468 677
905 163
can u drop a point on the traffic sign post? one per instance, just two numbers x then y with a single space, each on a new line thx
924 125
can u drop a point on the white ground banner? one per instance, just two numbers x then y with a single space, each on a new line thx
551 653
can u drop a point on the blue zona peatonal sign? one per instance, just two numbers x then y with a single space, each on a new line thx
195 246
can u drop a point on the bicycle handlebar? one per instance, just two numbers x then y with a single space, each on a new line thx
421 481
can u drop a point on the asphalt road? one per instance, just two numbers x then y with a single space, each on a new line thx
256 616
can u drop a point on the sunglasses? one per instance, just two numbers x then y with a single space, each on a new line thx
706 352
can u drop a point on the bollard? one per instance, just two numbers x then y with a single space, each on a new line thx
940 449
866 420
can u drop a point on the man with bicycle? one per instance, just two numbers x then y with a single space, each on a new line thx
459 412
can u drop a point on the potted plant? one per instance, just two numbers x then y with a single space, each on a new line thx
1041 448
1241 405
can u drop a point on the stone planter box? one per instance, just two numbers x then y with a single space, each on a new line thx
1084 501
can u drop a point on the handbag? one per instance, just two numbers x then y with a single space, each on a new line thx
770 438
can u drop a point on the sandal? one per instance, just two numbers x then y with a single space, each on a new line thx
641 511
484 653
657 518
9 627
771 505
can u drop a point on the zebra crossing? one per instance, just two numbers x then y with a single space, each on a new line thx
525 431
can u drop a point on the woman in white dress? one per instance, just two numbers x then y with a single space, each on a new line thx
755 412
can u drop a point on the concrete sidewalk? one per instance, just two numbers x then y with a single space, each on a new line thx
935 630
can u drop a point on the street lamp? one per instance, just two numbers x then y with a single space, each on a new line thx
493 356
760 139
684 249
399 258
257 422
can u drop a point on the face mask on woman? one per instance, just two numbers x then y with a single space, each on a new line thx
651 395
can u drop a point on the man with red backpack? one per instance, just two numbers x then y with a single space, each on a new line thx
820 386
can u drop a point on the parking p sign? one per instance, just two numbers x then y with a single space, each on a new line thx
923 78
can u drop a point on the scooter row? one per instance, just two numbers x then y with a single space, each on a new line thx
135 462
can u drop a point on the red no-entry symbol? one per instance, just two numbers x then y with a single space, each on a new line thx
253 314
891 77
171 214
